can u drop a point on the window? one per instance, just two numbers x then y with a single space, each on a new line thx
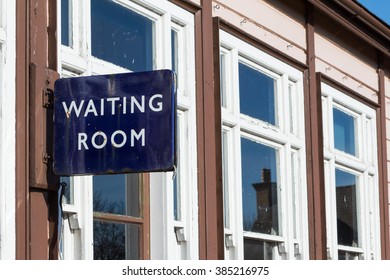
122 36
351 177
118 218
263 149
138 215
66 20
257 93
7 129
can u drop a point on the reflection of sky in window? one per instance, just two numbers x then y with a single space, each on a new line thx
254 158
344 132
257 94
109 193
65 30
344 178
174 50
121 36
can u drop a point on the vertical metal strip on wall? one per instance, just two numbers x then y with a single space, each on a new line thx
144 185
314 146
218 142
43 184
209 141
36 187
383 162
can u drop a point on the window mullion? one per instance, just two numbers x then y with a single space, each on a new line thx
346 160
375 220
286 195
188 46
76 17
86 34
333 210
282 96
163 40
361 138
237 193
302 229
325 123
365 224
330 124
233 96
86 212
264 237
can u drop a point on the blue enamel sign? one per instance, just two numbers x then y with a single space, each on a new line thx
108 124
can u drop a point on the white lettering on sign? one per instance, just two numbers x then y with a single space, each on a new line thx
112 100
124 139
72 107
103 141
112 106
159 104
118 139
92 107
140 106
81 140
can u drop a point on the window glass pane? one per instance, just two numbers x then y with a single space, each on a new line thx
122 36
343 255
257 249
259 188
174 51
116 194
66 28
176 181
115 241
347 220
344 132
176 199
257 94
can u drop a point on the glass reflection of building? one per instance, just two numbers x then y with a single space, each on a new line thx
346 206
266 204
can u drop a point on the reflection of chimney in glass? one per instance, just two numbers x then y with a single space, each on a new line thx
265 175
266 204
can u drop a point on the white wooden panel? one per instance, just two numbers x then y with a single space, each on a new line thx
259 32
387 87
272 19
7 130
346 62
346 80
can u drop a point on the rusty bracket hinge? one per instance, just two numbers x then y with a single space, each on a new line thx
46 158
48 98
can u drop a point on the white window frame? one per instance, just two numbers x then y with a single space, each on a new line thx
169 239
287 137
7 129
77 213
364 165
